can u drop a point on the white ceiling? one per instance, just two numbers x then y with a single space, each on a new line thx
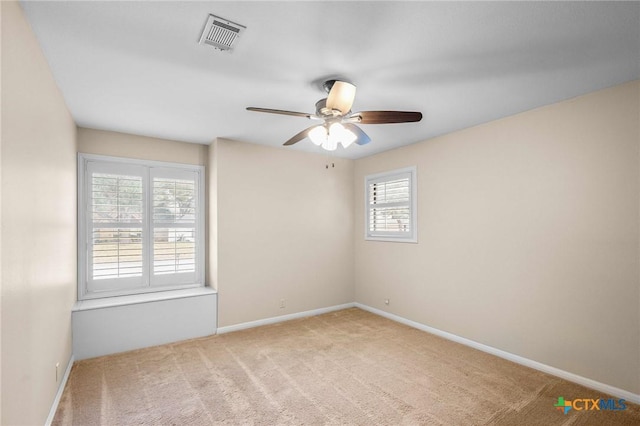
137 67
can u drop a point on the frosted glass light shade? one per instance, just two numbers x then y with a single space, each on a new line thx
331 137
332 142
341 96
318 135
342 135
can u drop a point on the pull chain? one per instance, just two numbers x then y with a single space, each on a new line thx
333 165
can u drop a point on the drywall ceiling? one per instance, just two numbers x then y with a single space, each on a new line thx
137 67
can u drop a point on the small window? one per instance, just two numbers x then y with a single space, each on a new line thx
390 200
141 226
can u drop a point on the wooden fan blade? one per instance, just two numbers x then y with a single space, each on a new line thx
363 138
297 138
279 111
341 96
387 117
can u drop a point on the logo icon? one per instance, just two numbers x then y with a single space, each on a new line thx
588 404
563 405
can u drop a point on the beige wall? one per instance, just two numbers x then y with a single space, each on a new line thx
116 144
285 230
528 236
38 226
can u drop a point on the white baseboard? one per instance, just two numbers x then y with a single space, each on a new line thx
602 387
63 383
274 320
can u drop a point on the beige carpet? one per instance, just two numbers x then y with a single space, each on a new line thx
344 368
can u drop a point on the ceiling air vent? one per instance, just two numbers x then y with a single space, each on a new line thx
220 33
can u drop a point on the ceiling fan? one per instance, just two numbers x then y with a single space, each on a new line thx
338 123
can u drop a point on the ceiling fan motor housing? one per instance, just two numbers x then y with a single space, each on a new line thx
323 111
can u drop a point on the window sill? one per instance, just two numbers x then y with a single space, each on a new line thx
108 302
413 240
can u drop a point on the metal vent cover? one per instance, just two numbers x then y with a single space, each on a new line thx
221 33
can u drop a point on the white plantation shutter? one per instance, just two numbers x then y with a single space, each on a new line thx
116 226
174 196
390 201
141 226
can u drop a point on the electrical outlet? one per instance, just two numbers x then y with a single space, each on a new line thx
57 368
386 301
282 303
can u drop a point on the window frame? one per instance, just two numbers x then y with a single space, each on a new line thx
148 167
410 237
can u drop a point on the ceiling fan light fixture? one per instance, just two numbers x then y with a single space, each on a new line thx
341 96
341 135
331 144
318 135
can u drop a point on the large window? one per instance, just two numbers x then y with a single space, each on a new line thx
140 226
390 200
